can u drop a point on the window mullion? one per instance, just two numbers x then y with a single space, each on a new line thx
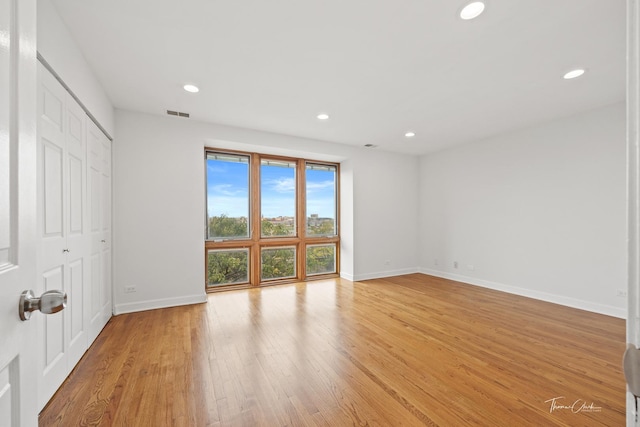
255 219
301 201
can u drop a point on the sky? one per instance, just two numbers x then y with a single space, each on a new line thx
228 193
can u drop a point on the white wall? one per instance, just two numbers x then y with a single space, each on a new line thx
159 205
58 48
539 212
385 215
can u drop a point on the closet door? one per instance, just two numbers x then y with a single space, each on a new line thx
77 234
99 181
62 231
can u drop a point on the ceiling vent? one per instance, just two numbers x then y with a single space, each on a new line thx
177 113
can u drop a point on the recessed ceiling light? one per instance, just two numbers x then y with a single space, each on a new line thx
574 73
410 134
191 88
322 116
472 10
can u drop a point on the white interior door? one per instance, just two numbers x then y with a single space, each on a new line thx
633 187
99 198
76 226
62 236
18 343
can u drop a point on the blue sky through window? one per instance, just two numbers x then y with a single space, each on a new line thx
277 191
321 187
228 190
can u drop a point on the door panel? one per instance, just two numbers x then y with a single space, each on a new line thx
99 166
8 393
6 104
78 342
52 197
76 179
96 236
52 109
52 231
106 286
105 242
51 336
18 340
63 236
77 276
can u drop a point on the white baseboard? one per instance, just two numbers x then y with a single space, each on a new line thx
382 274
543 296
346 276
133 307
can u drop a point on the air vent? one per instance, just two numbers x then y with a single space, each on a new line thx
177 113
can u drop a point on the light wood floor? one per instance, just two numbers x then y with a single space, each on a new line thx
411 350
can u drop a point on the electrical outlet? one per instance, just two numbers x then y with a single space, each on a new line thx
436 262
129 289
455 264
622 293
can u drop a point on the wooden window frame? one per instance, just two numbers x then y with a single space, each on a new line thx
256 242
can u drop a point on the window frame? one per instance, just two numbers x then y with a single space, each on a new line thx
337 194
316 245
255 242
249 190
235 249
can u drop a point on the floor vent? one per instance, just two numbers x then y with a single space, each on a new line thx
177 113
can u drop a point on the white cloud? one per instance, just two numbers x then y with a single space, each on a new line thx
226 190
317 186
282 185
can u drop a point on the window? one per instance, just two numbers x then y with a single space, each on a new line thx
269 219
227 267
321 259
278 263
227 196
277 198
321 200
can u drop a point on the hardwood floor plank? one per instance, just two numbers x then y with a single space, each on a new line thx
409 350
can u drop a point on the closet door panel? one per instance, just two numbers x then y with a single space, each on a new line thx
76 146
105 247
77 236
51 152
53 360
99 165
52 232
62 231
54 326
78 336
52 156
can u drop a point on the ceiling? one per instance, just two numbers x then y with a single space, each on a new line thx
379 68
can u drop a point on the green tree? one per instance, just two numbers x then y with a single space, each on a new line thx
224 226
271 229
321 259
325 228
279 262
227 267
